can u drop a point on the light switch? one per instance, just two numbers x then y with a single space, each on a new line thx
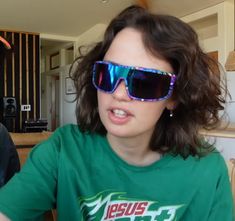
26 107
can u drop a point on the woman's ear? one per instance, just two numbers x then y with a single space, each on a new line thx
171 104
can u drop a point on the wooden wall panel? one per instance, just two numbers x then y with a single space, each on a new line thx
23 85
8 67
1 68
31 76
37 77
20 74
16 89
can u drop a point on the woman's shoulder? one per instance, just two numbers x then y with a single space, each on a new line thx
66 131
72 135
67 128
212 161
209 161
67 140
214 158
208 168
73 130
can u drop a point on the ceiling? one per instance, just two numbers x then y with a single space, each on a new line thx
70 18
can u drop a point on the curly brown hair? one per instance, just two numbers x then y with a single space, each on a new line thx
198 92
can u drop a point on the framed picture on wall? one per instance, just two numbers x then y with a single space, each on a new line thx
69 86
54 60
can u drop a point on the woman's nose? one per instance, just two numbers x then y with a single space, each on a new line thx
120 93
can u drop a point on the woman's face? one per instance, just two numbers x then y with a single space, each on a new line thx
121 115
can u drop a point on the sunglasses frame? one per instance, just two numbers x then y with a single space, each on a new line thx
124 76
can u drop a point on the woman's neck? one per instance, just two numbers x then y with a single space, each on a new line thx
135 151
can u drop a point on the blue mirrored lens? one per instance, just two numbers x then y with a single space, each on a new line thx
143 84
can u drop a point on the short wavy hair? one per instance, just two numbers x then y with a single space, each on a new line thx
198 92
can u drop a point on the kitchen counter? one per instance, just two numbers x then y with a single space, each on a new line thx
29 139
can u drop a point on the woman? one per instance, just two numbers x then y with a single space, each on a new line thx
142 95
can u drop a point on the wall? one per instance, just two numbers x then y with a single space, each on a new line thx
215 27
230 107
225 146
93 35
67 104
219 28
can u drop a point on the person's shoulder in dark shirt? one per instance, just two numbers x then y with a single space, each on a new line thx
9 160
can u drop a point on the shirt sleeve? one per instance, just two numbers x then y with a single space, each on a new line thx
32 191
13 163
223 206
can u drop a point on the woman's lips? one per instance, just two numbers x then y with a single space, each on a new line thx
119 116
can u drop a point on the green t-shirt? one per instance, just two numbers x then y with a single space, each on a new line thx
84 179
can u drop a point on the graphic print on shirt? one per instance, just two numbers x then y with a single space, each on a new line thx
115 206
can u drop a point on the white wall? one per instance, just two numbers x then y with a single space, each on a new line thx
215 26
223 39
230 108
226 146
67 105
91 36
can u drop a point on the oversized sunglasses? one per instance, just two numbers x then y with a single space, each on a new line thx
142 84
